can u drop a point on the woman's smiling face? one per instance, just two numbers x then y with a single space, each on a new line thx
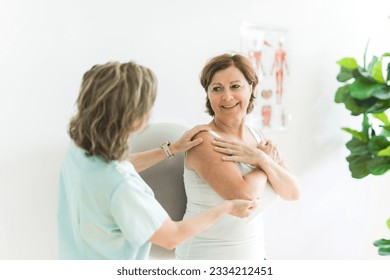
229 93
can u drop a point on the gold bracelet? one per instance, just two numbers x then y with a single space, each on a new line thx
165 147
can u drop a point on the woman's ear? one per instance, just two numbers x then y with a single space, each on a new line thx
252 89
254 92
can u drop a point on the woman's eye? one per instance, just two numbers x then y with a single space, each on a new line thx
216 89
236 86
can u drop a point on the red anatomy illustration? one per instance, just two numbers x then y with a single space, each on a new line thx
266 114
255 54
279 65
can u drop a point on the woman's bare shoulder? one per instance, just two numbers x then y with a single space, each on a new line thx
206 144
202 153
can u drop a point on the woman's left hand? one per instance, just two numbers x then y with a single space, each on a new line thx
238 151
271 150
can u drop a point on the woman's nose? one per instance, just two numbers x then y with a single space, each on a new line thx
227 95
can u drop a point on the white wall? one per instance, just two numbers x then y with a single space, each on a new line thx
46 46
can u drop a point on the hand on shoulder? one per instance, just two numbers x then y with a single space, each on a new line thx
190 139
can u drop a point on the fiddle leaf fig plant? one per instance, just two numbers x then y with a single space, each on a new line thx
365 92
383 244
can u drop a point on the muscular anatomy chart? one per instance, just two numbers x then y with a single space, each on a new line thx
268 50
279 65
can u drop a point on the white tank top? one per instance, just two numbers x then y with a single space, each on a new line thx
231 237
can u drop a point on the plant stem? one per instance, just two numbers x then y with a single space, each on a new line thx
365 53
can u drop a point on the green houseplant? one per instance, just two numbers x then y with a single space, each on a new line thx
365 92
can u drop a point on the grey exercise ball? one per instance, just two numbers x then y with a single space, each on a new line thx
166 177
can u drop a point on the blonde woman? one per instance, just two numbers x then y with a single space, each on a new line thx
106 211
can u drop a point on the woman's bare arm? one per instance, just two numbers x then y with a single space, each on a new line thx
146 159
224 176
267 157
171 233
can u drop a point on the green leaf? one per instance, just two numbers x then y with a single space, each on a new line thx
357 147
383 247
388 223
376 72
384 251
382 117
383 94
358 107
372 63
384 152
358 165
385 131
386 54
377 143
382 242
357 134
348 62
378 165
342 94
362 74
344 75
377 106
388 73
364 89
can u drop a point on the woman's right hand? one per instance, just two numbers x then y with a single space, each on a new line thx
238 151
242 208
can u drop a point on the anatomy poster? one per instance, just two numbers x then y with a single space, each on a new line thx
268 50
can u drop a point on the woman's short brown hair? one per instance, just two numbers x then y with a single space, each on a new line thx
113 97
224 61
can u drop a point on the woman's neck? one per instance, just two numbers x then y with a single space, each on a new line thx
234 128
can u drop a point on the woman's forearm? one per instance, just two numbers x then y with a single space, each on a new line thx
266 157
144 160
256 181
199 223
281 179
250 186
172 234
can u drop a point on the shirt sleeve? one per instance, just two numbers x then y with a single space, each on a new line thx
136 211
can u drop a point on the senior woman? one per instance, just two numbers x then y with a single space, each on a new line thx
234 161
106 211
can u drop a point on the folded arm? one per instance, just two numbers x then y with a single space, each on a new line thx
224 176
268 158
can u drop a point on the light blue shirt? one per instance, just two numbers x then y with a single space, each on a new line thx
105 210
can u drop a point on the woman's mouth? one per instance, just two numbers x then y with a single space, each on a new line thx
230 106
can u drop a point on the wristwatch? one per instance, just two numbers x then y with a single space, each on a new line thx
167 151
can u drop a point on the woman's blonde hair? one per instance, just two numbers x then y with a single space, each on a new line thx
222 62
113 98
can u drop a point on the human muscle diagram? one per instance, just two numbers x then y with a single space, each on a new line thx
267 48
279 65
